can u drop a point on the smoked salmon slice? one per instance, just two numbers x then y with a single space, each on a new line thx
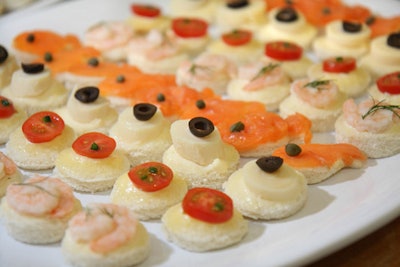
320 161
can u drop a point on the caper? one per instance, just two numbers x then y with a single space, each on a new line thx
3 54
351 27
292 149
200 104
269 164
87 94
30 38
237 127
287 14
93 62
48 57
144 111
120 78
393 40
200 126
160 97
32 68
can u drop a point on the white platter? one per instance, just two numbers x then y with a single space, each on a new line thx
339 211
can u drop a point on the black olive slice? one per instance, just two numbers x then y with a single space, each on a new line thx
87 94
237 4
393 40
32 68
200 126
144 111
269 164
287 14
351 27
3 54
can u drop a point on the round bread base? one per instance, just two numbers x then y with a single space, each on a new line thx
133 252
195 235
374 145
258 208
35 230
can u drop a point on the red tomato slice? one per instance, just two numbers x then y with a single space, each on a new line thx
145 10
151 176
281 50
189 27
339 64
389 83
208 205
43 127
237 37
94 145
6 108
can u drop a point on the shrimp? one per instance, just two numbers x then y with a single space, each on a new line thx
318 93
370 115
41 196
104 227
9 166
108 35
261 75
154 46
207 71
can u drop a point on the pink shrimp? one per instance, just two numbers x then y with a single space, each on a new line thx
108 35
370 115
9 166
41 196
104 226
261 75
318 93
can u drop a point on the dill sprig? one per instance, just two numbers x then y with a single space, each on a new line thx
317 83
377 107
107 212
266 69
33 184
194 67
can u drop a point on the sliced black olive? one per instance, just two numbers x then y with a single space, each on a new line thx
292 149
200 126
351 27
144 111
237 4
3 54
393 40
269 164
32 68
87 94
287 14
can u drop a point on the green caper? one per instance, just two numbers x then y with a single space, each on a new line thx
292 149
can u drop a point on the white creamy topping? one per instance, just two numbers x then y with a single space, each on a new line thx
282 185
28 85
86 112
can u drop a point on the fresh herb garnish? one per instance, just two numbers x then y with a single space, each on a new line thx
317 84
266 69
377 107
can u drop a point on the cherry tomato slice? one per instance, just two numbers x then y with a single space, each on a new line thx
189 27
145 10
281 50
237 37
208 205
151 176
389 83
43 126
339 64
6 108
94 145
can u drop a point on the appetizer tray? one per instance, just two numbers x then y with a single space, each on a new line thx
344 208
